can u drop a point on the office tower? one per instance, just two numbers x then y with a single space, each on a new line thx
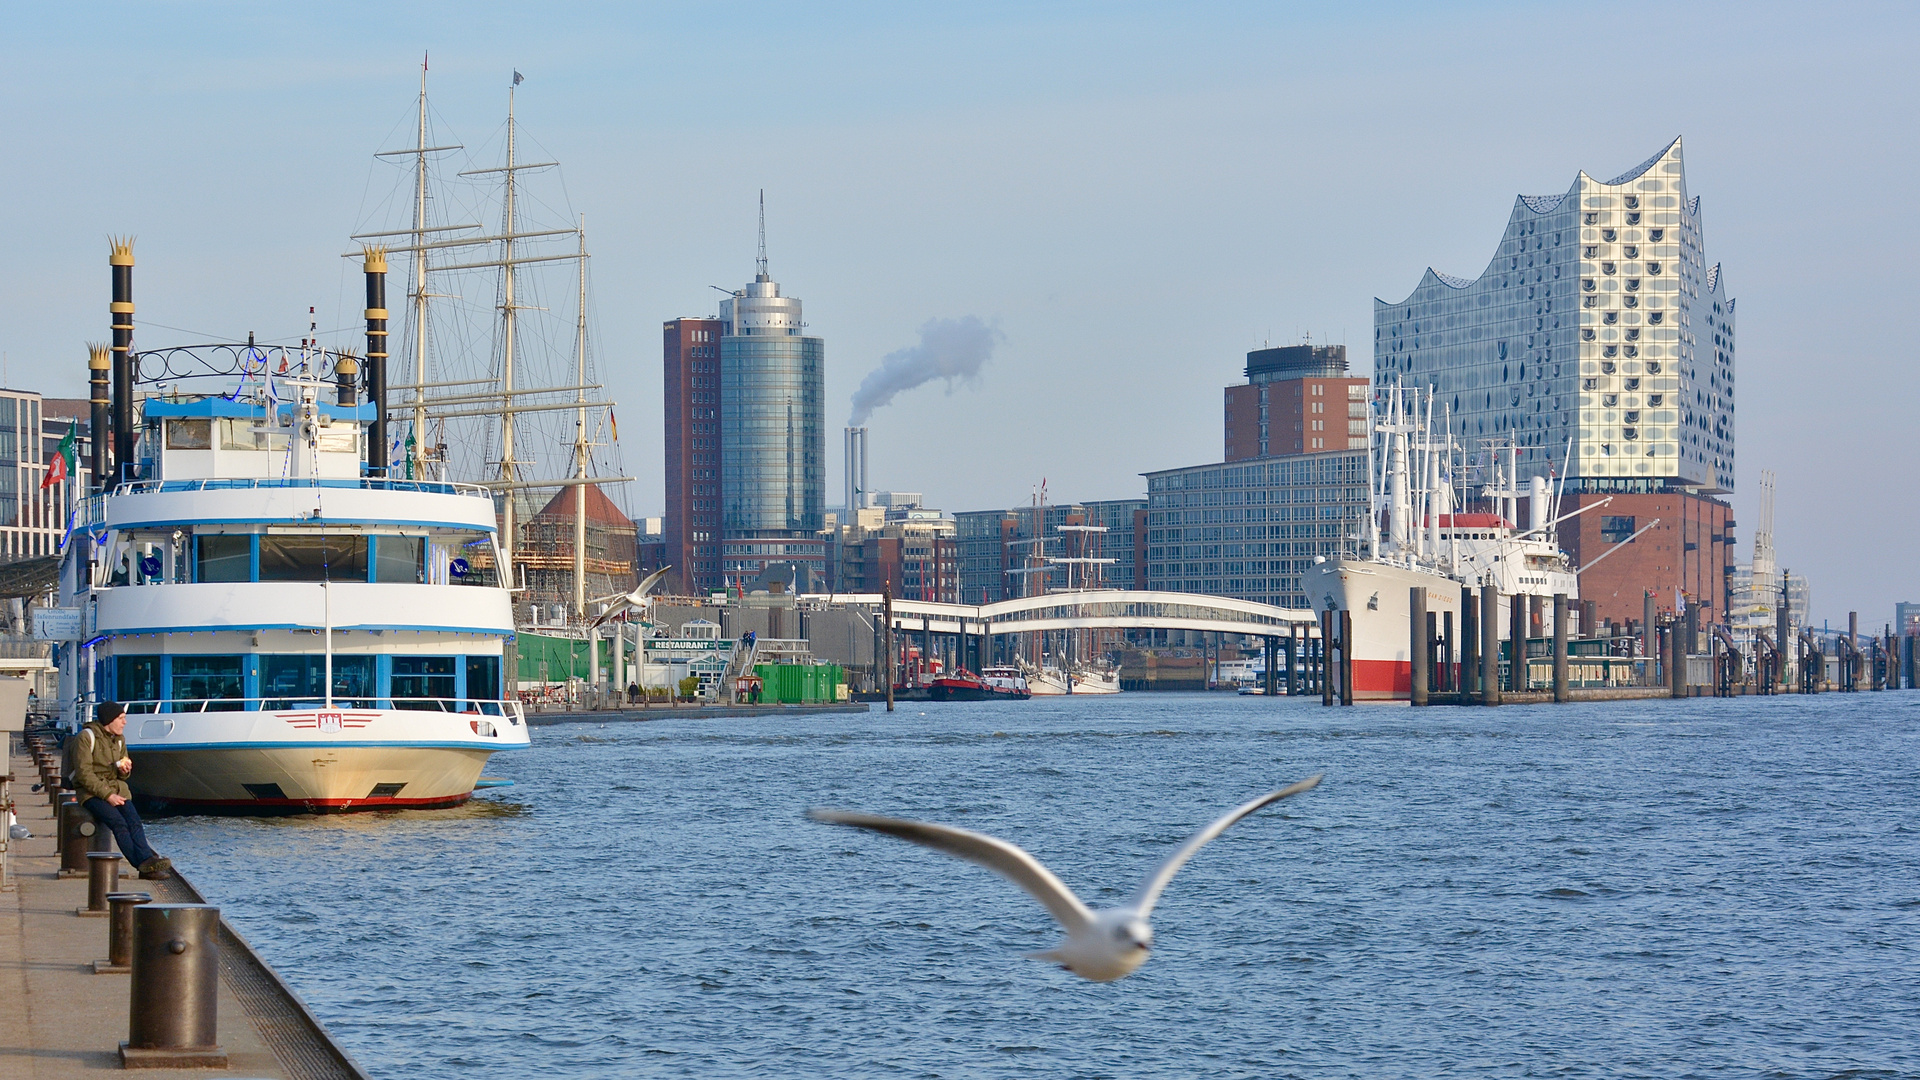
691 529
773 454
1297 399
1599 323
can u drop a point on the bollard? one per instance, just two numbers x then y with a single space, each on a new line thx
77 833
119 959
103 877
172 1019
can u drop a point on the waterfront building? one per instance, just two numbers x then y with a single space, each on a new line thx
772 403
1298 399
1906 619
33 519
1003 553
690 528
1599 342
901 545
1599 324
1249 529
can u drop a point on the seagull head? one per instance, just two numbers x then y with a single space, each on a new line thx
1132 935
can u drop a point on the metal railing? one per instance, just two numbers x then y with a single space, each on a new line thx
463 706
93 508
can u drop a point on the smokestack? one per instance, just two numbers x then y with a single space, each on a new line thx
376 268
856 468
121 260
344 372
98 366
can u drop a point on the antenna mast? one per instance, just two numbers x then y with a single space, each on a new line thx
580 441
762 263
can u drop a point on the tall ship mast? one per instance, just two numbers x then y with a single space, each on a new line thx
486 385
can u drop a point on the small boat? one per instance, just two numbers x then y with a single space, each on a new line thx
992 684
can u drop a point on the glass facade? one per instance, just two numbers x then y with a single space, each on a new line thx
1599 321
773 435
1249 530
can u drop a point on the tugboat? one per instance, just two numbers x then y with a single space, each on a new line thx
992 684
291 628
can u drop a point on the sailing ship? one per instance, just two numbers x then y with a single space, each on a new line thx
1431 544
1070 668
487 380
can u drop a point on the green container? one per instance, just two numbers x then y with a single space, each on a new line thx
798 684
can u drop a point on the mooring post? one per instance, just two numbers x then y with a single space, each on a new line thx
1270 675
886 594
103 877
120 907
1489 645
1293 660
1346 657
1677 659
173 1019
1519 672
1469 646
1562 688
1649 635
1325 658
1421 643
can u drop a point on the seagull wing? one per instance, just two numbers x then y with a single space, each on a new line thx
650 581
996 855
1156 882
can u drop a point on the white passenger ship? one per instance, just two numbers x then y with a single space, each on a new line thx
290 630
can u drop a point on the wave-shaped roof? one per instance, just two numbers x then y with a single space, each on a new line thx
1544 204
1635 172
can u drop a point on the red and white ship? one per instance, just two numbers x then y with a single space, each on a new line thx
1428 544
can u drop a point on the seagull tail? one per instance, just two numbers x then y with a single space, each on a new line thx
1051 956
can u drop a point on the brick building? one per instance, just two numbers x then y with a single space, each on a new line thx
690 528
1297 399
1690 551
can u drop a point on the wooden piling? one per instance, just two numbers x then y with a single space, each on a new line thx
1469 648
1518 609
1677 659
1326 654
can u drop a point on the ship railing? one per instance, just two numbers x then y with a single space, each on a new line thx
93 508
465 706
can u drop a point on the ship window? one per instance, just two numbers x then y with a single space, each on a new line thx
423 677
190 434
313 558
483 684
224 558
399 559
297 681
207 684
136 679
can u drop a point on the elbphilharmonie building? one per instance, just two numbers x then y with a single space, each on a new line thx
1599 324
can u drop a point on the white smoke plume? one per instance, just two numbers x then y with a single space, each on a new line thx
950 349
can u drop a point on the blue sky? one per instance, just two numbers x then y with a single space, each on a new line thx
1134 194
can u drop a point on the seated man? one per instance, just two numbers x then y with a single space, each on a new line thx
100 770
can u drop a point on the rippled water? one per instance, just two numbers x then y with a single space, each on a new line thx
1711 888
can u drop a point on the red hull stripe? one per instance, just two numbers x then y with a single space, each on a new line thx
311 804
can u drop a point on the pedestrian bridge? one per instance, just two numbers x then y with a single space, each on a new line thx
1096 609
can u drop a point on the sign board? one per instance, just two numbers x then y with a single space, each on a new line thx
59 624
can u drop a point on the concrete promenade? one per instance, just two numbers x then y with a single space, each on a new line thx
58 1019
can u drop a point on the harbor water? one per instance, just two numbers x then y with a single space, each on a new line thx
1705 888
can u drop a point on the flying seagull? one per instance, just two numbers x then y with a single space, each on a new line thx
1101 945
